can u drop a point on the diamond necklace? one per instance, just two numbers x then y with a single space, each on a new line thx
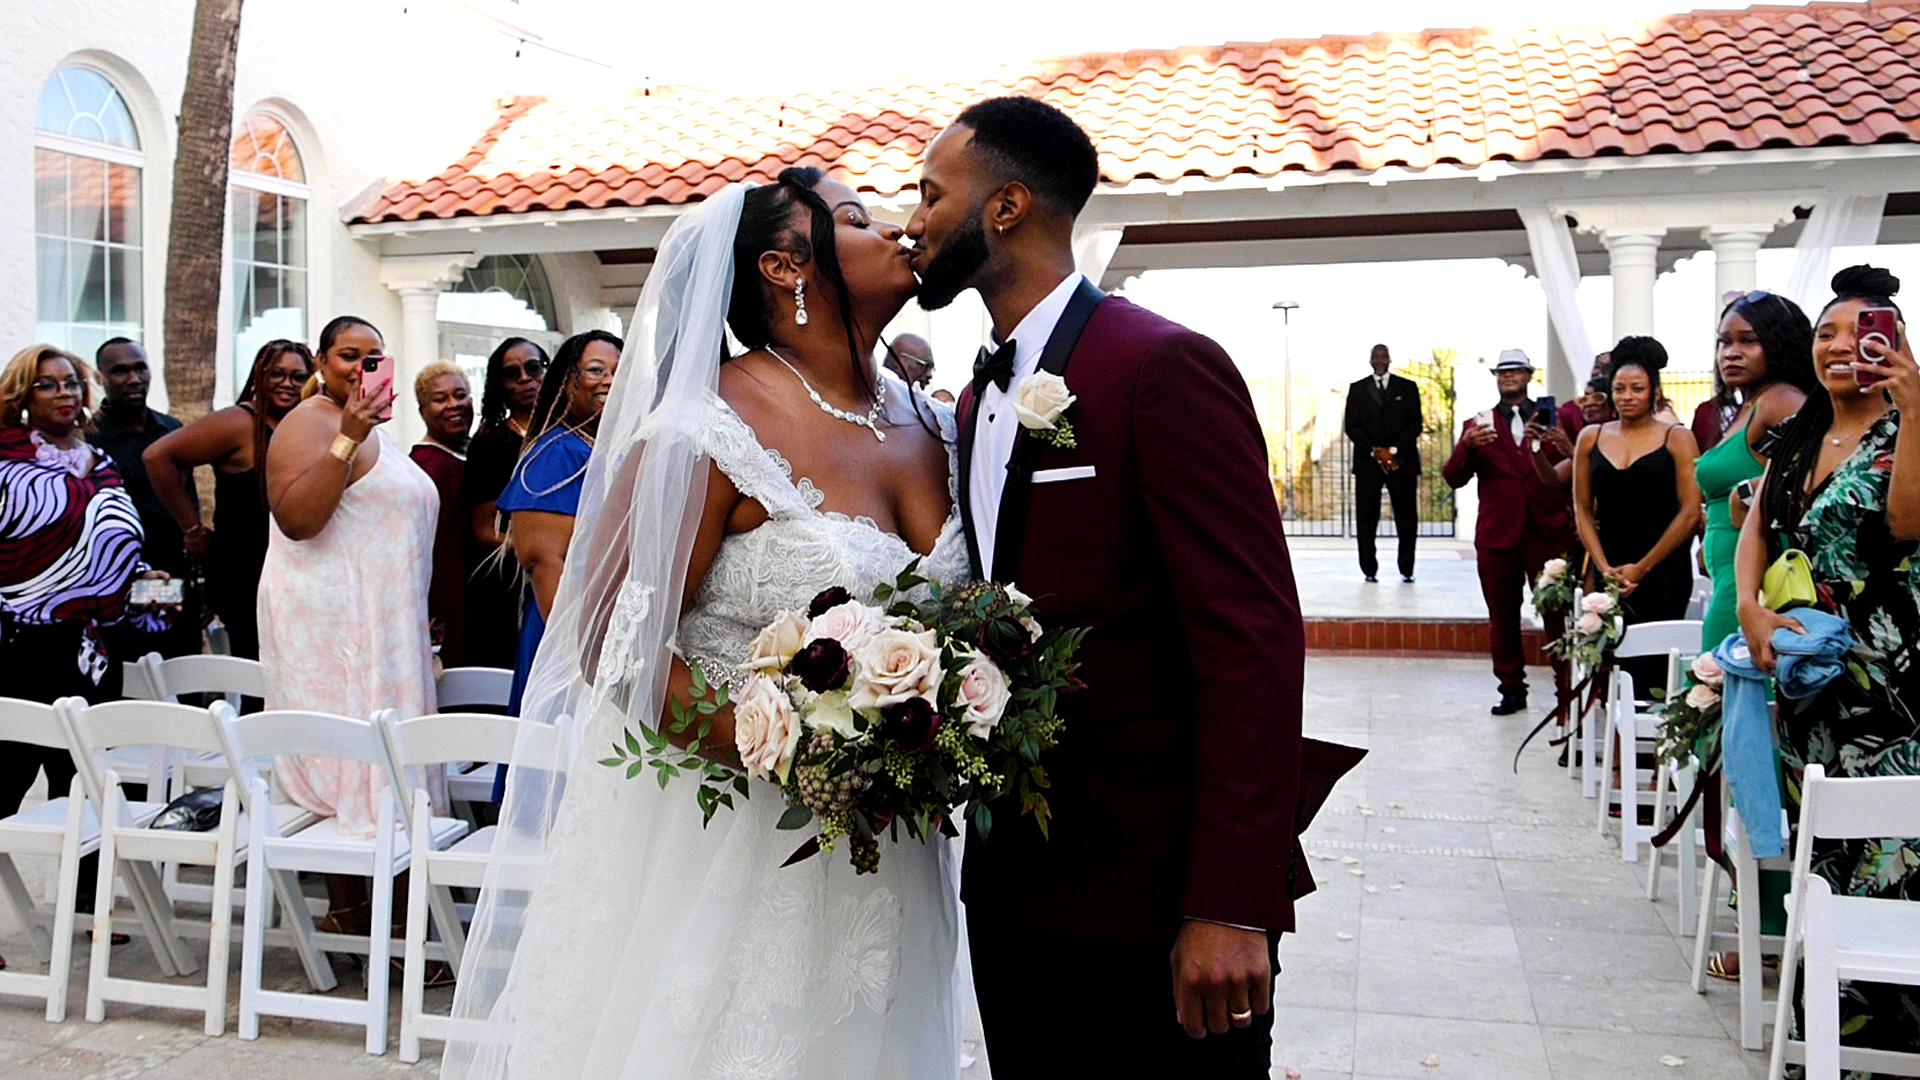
869 421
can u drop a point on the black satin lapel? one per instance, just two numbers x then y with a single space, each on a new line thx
967 429
1011 531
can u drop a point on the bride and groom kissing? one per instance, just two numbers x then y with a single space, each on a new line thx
1141 937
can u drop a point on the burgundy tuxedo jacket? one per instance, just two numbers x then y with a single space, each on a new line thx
1175 781
1513 499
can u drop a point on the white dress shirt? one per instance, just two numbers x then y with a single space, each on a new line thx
997 429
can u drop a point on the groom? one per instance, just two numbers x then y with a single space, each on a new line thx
1142 939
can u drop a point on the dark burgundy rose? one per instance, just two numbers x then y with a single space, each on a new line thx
1005 640
827 601
911 724
822 665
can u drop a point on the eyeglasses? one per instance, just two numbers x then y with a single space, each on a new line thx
53 386
532 370
287 378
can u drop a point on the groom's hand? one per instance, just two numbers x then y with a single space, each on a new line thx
1220 972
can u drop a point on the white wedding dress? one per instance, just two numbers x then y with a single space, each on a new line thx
736 968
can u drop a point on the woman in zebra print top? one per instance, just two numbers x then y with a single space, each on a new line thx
69 552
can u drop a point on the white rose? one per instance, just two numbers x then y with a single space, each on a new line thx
831 712
893 666
984 692
852 624
1702 696
1589 623
774 647
1040 399
1552 570
766 730
1598 603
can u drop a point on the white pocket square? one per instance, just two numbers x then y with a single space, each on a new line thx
1071 472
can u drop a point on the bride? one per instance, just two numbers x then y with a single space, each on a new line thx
616 935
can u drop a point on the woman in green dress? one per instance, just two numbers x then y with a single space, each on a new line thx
1765 356
1844 487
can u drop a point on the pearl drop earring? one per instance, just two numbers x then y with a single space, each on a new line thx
800 302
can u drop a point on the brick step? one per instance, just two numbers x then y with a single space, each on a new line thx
1413 637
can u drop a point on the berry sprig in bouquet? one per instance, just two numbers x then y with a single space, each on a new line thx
873 717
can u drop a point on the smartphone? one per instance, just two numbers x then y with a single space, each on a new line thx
1880 325
151 592
1546 412
376 372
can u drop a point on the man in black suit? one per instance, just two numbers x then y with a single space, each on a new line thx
1383 420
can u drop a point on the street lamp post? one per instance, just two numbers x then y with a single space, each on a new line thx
1286 309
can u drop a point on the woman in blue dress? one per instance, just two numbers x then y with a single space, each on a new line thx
544 492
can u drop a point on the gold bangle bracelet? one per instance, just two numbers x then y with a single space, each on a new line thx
344 448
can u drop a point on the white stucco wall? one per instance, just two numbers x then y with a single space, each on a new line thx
370 94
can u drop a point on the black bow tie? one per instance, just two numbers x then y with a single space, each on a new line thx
994 367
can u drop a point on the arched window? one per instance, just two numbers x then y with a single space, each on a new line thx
508 291
269 222
86 164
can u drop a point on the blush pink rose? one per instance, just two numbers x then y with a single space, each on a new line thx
895 665
1589 623
766 730
1707 669
773 648
984 694
852 624
1597 603
1702 696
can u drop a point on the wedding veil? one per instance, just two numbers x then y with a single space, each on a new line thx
555 875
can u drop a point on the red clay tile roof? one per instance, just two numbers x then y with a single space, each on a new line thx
1826 74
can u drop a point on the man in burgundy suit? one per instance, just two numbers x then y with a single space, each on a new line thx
1141 940
1524 521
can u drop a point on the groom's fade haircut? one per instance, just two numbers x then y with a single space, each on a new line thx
1028 140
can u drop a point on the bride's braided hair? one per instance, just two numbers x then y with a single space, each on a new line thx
1783 499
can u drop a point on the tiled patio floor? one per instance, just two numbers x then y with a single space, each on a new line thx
1487 924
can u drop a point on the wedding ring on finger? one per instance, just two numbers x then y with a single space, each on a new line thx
1241 1019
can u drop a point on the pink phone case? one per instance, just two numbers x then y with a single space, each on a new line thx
372 379
1882 327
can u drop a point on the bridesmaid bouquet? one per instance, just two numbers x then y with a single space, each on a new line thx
1594 630
876 716
1553 590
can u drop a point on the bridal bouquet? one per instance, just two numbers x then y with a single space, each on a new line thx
874 716
1595 630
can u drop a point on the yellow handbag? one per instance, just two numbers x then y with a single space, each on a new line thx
1789 582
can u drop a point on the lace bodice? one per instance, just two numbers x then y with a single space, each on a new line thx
800 549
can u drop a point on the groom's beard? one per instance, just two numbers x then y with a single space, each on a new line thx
951 270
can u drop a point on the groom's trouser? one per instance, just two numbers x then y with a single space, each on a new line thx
1058 1007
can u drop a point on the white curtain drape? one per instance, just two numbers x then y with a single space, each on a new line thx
1558 269
1838 221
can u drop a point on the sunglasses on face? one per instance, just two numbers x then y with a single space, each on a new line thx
53 386
532 369
287 378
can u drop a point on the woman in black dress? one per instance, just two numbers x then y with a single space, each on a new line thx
514 374
1636 502
234 441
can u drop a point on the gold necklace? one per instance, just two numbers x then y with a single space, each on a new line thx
1839 440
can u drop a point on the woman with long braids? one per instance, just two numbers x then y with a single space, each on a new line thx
1765 357
234 441
515 372
1843 486
544 492
343 596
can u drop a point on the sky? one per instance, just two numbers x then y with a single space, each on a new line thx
756 45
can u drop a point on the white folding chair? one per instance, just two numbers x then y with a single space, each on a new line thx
436 740
1751 945
319 848
1627 724
61 827
461 689
232 677
1856 938
96 732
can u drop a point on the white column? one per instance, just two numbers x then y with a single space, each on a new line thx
418 280
1631 258
1560 376
1736 249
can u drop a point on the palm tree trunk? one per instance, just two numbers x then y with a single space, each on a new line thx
197 231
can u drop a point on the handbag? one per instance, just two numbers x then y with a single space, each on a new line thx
196 811
1788 583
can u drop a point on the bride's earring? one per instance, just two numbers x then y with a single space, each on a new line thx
800 302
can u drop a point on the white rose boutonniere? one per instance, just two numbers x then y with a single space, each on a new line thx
1040 402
